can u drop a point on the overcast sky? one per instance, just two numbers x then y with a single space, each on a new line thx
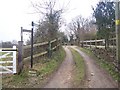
17 13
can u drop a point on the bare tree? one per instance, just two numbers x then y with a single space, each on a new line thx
49 26
77 26
82 28
90 29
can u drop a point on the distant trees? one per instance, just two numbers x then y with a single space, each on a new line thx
64 37
77 27
72 41
90 29
104 14
103 23
8 44
82 29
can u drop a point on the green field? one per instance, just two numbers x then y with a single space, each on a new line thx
7 58
2 53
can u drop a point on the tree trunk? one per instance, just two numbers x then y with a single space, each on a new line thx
78 41
107 43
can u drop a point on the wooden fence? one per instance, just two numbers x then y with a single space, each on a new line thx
22 57
39 49
98 43
98 48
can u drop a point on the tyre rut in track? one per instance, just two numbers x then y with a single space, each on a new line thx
63 77
96 77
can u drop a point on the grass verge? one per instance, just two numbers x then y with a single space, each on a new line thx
45 67
104 64
79 76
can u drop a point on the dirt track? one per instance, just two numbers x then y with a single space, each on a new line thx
63 77
96 77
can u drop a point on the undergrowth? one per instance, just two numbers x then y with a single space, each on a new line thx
44 67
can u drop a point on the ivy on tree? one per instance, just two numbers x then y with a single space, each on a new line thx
104 14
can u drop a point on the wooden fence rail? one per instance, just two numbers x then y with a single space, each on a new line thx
41 54
22 57
100 42
98 45
23 54
39 49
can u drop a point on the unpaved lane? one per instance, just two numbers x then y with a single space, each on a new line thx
63 77
96 76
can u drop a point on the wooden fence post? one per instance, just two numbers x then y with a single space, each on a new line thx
20 56
90 44
95 43
49 49
82 45
60 42
56 44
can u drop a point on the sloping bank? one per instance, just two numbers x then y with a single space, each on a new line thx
95 73
45 67
103 64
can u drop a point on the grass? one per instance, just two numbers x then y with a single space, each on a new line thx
104 64
6 59
3 59
17 79
45 68
79 69
2 53
11 54
53 63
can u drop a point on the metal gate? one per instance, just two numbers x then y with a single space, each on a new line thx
8 60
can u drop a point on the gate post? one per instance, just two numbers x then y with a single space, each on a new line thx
20 56
14 60
117 22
